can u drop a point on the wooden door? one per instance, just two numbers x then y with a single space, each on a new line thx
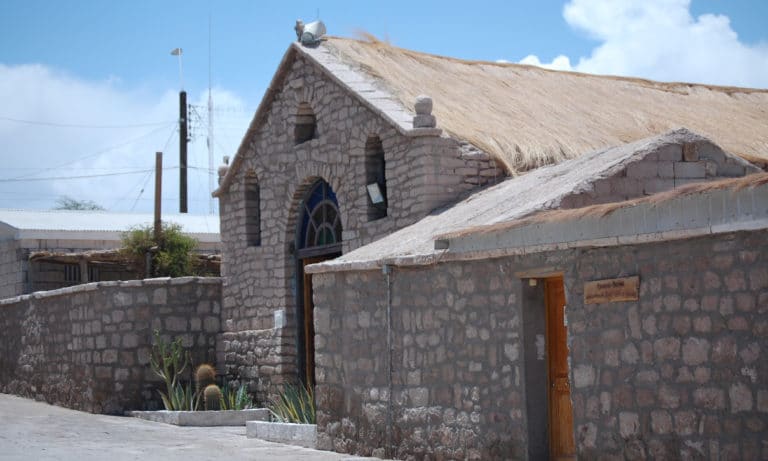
309 322
561 443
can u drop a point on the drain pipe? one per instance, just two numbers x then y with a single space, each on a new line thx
387 270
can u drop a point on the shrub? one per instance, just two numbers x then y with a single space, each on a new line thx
171 254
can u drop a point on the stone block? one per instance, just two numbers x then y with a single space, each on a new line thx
690 170
130 340
731 170
709 398
176 324
695 351
654 186
303 435
661 422
583 376
740 397
642 170
690 152
762 401
670 153
629 424
667 348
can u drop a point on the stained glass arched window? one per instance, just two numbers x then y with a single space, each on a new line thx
320 219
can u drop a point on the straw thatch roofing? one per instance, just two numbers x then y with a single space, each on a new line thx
525 116
528 116
513 199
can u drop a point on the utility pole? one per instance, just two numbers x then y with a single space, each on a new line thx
183 136
183 151
158 194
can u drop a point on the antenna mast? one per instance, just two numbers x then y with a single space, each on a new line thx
210 124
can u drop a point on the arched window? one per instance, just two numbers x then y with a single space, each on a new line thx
252 211
306 125
320 219
375 179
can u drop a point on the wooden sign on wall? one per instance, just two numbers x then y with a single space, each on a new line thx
612 290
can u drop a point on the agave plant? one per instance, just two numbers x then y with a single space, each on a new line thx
296 404
235 399
183 398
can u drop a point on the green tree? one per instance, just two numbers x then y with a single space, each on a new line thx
171 254
66 202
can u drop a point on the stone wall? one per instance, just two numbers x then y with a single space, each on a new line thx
11 274
457 370
683 373
422 172
668 167
679 374
87 347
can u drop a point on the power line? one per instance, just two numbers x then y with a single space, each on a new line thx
86 176
76 125
144 186
102 151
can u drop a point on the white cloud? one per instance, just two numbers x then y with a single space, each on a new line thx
560 62
661 40
39 94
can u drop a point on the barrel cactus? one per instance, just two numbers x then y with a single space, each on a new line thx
205 375
212 397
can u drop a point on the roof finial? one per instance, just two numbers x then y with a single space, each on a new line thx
224 168
299 28
424 117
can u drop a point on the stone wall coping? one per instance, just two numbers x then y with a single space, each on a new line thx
93 286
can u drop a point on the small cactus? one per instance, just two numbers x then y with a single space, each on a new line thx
205 375
212 397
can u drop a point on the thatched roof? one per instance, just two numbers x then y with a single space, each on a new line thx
528 116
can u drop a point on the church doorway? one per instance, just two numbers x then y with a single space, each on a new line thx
318 238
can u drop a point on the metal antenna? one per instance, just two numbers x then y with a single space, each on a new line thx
211 204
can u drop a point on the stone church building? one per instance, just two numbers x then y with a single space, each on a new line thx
475 260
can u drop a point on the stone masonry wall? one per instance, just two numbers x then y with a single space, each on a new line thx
683 373
422 172
87 347
11 275
457 384
679 374
668 167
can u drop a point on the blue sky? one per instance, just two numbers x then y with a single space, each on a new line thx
105 66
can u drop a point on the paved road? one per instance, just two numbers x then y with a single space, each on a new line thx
32 430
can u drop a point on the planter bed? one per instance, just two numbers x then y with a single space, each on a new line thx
204 418
303 435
